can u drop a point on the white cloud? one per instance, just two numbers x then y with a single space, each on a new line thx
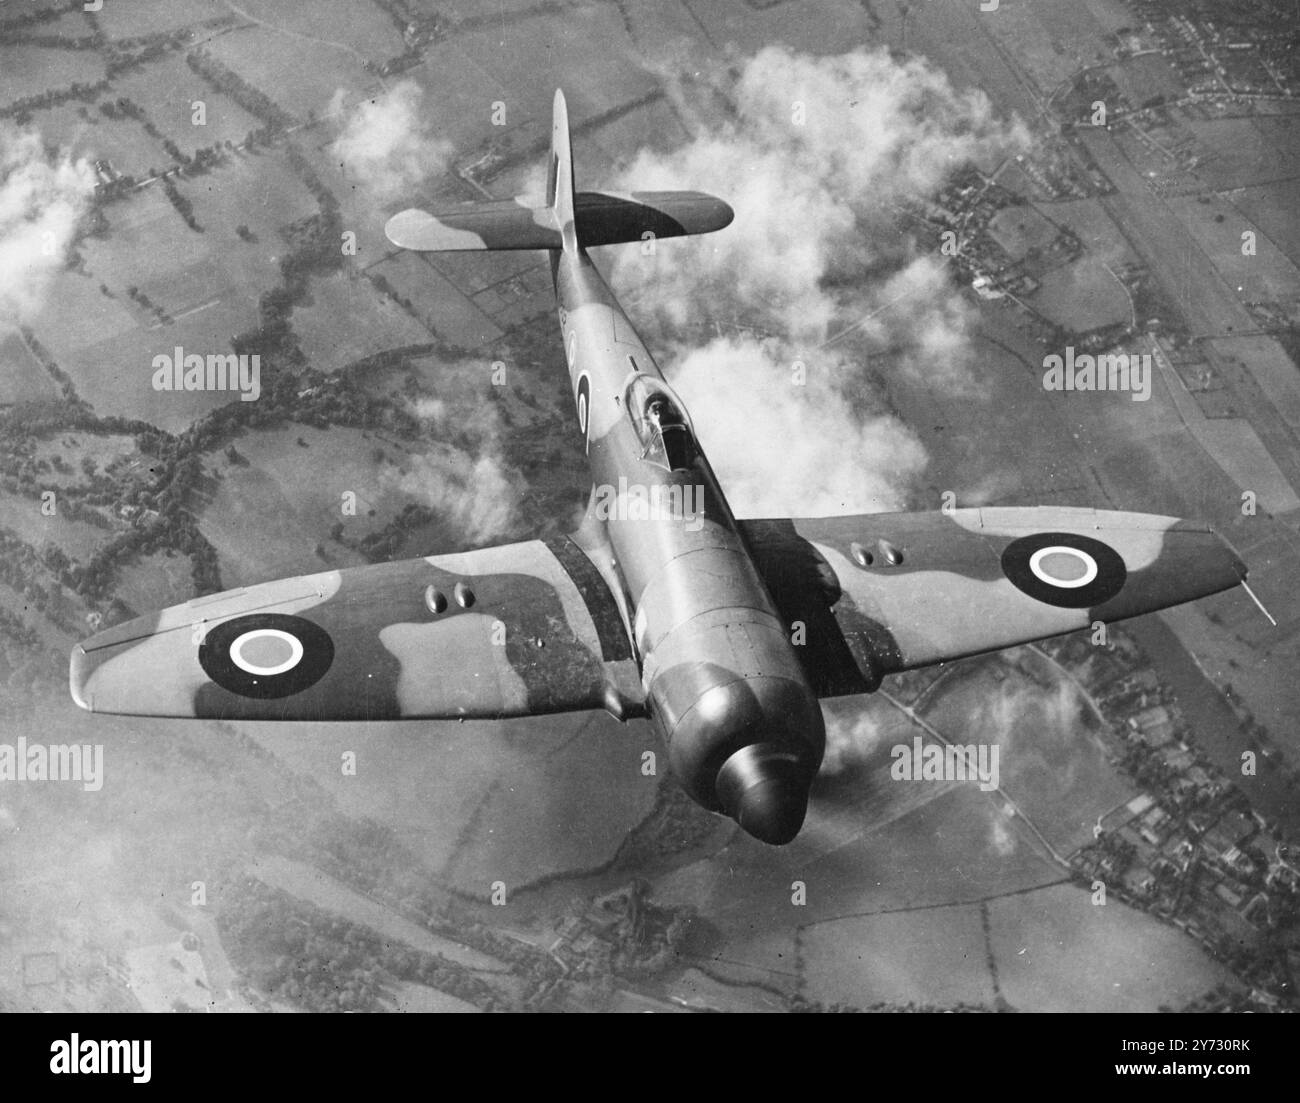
816 264
388 147
469 483
42 198
781 449
476 494
851 741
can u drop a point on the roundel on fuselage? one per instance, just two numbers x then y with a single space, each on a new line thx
1064 569
584 405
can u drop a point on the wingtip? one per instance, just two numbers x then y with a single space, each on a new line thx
399 228
726 214
77 678
1235 561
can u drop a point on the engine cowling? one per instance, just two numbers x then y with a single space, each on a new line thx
744 729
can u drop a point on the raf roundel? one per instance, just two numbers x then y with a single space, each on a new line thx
266 655
584 406
1064 569
272 640
1060 565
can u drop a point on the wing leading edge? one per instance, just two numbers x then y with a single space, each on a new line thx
881 593
516 630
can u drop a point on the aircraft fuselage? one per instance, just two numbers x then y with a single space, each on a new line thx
723 684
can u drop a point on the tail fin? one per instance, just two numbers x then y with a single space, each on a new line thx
559 176
570 220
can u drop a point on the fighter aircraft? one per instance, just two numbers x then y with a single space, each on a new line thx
724 633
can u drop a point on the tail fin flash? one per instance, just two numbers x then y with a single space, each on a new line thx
570 220
559 177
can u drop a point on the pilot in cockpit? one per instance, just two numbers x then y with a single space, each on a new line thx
673 433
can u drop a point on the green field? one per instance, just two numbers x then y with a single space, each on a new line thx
77 447
1267 275
27 71
142 17
22 379
564 803
155 582
441 306
257 190
306 86
266 517
23 516
1052 761
933 957
1082 296
1118 960
1088 221
1020 230
167 90
352 28
346 319
122 142
483 802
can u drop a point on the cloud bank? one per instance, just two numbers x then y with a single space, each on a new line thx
817 158
43 196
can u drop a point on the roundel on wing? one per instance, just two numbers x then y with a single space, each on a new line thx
1064 569
584 403
266 655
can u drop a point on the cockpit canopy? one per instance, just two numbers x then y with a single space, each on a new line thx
666 436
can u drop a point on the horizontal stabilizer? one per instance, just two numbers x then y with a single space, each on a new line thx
496 225
607 218
601 218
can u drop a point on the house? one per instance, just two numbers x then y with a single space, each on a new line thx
1148 718
1226 894
1155 825
1227 834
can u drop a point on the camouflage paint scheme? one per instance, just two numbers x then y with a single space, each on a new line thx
724 633
947 596
607 218
519 634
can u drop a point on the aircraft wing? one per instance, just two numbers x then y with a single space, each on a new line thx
509 631
881 593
